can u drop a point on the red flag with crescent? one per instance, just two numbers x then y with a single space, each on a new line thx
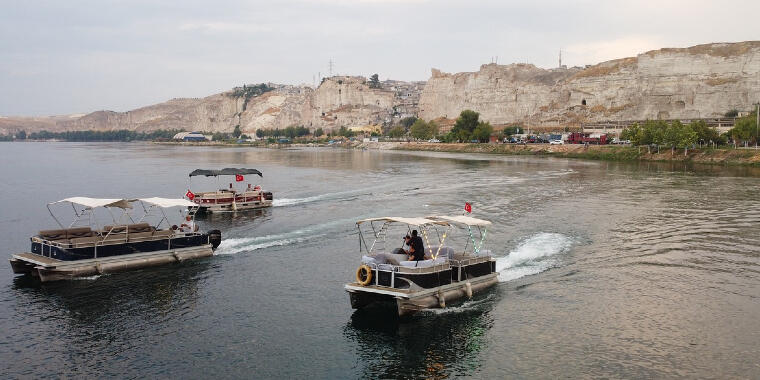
467 207
239 178
190 195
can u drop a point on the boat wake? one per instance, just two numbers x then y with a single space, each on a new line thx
236 245
533 255
329 196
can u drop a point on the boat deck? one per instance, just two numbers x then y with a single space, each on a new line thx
37 259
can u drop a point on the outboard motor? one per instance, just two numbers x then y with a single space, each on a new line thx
268 195
215 238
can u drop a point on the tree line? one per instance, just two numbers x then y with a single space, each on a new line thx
678 135
117 135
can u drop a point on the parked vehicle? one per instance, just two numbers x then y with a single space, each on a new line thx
587 138
556 142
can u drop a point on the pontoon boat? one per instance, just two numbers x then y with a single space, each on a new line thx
446 275
80 250
230 198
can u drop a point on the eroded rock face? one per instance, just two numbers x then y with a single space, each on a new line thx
701 81
337 102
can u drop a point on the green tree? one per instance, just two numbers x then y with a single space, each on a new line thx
465 124
319 132
374 81
745 129
21 135
345 132
706 134
482 132
732 113
236 132
423 130
407 122
396 132
509 131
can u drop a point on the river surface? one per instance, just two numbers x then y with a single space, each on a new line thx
606 269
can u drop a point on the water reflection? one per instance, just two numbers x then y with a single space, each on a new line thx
433 344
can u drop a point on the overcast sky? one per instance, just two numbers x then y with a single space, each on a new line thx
63 57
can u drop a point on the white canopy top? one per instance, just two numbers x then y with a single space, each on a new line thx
168 202
97 202
462 220
415 221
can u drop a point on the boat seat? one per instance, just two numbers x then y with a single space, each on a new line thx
140 236
114 229
445 251
423 263
163 233
79 232
53 234
139 227
384 258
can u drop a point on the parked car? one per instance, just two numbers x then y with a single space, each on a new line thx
556 142
434 141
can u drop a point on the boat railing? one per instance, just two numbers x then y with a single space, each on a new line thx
394 270
110 238
460 260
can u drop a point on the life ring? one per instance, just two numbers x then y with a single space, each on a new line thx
364 275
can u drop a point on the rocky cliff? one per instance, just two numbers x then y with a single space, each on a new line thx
696 82
700 81
338 101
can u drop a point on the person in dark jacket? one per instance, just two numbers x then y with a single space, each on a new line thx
417 248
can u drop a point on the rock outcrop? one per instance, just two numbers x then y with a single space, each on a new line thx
697 82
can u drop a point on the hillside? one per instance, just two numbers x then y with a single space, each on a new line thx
699 81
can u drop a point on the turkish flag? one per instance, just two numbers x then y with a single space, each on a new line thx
190 195
239 178
467 207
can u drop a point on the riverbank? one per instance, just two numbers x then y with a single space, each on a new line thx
749 157
724 156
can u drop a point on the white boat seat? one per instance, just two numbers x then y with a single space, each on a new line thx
384 258
445 251
423 263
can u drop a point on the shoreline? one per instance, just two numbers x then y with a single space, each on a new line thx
621 153
710 156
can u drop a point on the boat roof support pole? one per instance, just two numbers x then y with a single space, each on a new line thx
54 218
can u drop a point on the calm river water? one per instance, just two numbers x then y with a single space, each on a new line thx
606 269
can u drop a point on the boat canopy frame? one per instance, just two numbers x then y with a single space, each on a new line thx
164 203
423 224
89 205
125 204
469 222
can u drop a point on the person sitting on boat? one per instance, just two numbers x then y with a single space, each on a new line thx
416 248
188 225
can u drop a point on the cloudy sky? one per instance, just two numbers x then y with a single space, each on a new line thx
63 57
